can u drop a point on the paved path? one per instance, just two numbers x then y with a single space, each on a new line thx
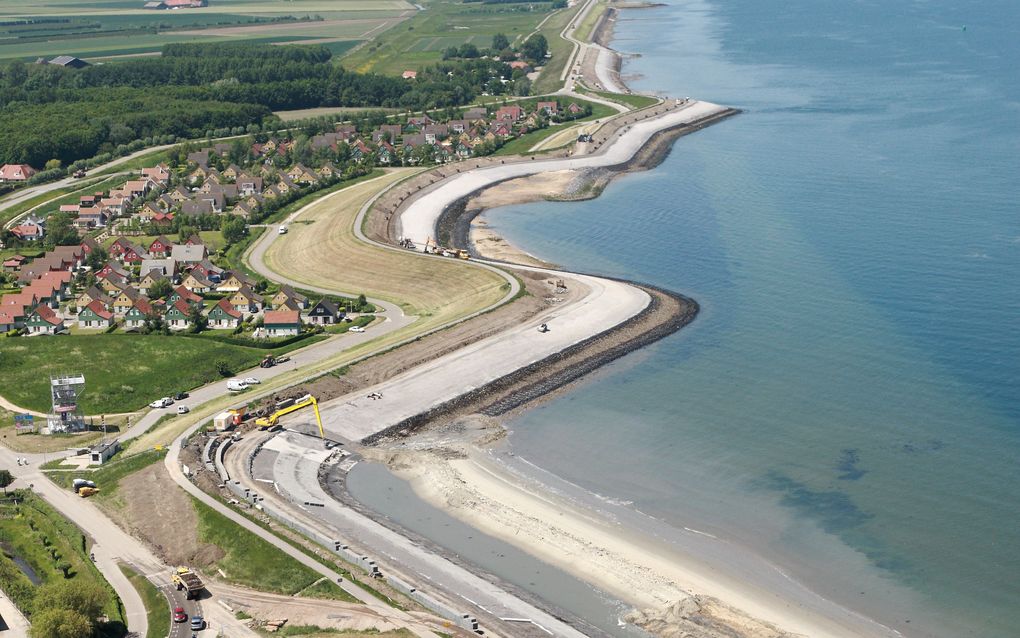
12 621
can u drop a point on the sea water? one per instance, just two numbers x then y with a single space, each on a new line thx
847 402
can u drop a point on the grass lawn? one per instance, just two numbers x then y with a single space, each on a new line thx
344 327
39 443
108 475
46 541
252 562
420 41
325 253
549 80
301 114
301 202
123 372
634 101
157 607
584 30
142 161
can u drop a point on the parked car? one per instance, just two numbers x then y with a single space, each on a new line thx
357 329
179 615
161 403
283 230
236 385
183 409
197 623
251 381
180 396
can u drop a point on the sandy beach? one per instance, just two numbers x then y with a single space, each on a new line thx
676 587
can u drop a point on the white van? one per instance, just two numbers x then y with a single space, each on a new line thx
236 385
283 230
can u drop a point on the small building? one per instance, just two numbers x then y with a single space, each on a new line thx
95 315
69 61
103 452
44 321
16 172
409 75
223 315
325 313
282 323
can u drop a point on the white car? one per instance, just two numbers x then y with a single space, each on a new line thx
282 230
161 403
251 381
183 409
357 329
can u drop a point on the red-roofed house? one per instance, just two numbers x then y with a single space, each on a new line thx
510 113
551 108
16 172
176 315
409 75
282 323
28 232
43 321
160 247
95 315
224 315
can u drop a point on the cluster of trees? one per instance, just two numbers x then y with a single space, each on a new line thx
67 609
533 49
51 112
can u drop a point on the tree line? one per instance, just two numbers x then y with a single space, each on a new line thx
50 112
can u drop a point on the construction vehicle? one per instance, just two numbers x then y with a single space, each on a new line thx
463 254
266 422
228 420
187 581
269 361
83 487
80 173
86 492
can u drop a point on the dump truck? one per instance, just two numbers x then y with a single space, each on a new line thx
86 492
187 581
266 422
83 487
228 420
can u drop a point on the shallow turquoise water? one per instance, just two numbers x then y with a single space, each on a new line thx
847 401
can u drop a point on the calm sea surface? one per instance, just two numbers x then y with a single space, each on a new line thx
847 403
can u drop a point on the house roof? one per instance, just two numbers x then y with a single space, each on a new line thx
97 307
46 314
187 253
186 294
327 305
224 305
281 317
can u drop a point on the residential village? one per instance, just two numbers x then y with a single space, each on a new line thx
110 281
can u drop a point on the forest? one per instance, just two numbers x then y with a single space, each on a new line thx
49 112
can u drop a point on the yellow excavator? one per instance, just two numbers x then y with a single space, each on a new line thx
265 422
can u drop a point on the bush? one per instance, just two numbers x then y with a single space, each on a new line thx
223 368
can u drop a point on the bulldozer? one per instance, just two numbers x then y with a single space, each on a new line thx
266 422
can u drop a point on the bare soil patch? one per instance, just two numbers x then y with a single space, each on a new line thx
159 513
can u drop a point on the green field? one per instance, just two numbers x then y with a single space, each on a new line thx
48 543
123 372
252 562
632 100
110 28
420 41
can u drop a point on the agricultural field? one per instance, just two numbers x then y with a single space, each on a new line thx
420 41
107 29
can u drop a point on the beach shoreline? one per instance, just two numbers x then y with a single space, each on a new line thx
673 593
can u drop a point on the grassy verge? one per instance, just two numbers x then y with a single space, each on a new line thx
584 30
10 212
549 80
157 607
52 547
252 562
138 163
634 101
343 327
107 476
233 257
299 203
122 371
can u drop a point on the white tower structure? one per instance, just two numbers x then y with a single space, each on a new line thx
66 415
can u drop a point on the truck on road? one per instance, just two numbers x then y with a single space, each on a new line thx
187 581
